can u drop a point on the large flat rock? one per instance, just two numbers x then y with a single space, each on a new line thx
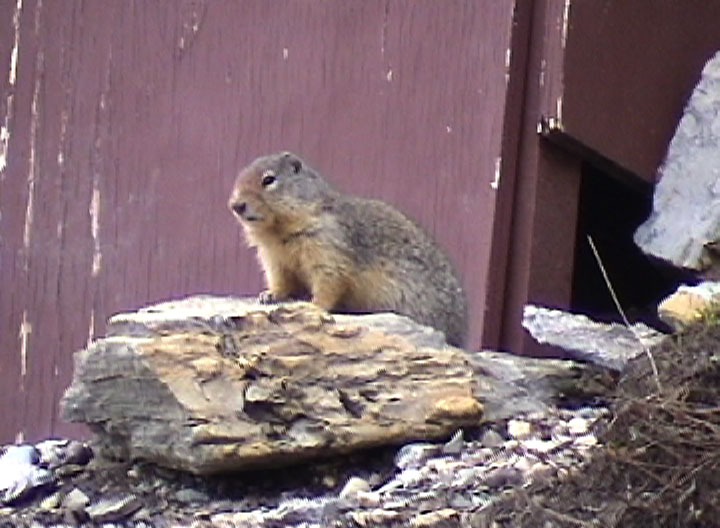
213 384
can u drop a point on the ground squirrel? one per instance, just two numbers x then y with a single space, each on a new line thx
348 254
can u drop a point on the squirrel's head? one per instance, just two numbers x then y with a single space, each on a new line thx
277 192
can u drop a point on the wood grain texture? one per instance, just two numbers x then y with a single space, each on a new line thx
130 120
543 211
629 68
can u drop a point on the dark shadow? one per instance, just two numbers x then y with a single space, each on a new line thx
610 211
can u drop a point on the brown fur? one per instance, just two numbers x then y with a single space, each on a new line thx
346 253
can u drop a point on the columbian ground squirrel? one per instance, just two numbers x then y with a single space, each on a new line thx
348 254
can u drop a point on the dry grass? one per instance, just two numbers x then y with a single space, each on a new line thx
661 464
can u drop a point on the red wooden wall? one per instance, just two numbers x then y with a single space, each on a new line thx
126 122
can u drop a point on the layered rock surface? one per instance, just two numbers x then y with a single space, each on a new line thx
210 384
607 345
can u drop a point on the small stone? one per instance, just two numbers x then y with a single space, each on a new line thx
78 453
296 510
374 518
491 438
51 502
535 445
328 481
51 452
189 496
519 429
415 455
444 518
455 444
578 426
456 407
232 519
541 472
444 465
410 477
68 470
688 303
368 499
76 500
460 502
503 477
523 465
353 486
57 453
586 441
430 500
465 477
397 504
110 509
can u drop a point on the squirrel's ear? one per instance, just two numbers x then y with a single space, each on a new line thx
293 161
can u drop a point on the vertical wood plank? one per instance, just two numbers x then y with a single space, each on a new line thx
132 118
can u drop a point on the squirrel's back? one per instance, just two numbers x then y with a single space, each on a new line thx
347 253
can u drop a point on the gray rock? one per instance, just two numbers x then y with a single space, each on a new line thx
189 496
455 444
510 385
415 455
354 486
445 518
210 384
76 500
491 438
373 518
608 345
684 227
504 476
109 509
56 453
19 474
51 502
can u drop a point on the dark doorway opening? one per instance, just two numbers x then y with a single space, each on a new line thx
610 209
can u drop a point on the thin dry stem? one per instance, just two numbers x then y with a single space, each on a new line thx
622 312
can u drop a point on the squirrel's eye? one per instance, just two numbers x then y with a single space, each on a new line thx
268 179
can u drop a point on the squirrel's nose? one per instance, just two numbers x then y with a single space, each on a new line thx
239 208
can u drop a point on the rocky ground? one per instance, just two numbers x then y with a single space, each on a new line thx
660 464
651 458
421 484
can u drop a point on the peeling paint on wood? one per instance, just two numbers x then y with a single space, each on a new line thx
495 183
565 23
10 97
95 229
127 126
91 331
24 334
32 168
